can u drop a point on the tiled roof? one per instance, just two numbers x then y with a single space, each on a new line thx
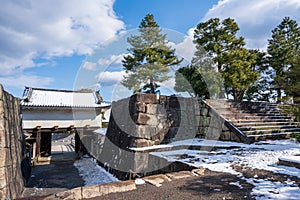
38 97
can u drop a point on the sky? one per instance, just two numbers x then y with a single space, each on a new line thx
72 44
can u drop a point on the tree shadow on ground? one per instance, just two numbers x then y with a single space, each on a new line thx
215 185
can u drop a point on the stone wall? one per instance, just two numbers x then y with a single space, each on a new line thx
141 121
148 119
144 120
11 147
213 127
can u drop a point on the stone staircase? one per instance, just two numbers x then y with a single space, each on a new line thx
257 120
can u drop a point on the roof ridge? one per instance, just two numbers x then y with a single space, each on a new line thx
58 90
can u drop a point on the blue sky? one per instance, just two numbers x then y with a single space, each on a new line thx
52 43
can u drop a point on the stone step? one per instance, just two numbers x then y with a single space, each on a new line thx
254 117
274 136
238 121
271 131
258 120
273 127
272 123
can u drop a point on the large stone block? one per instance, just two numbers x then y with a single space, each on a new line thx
140 107
142 143
155 109
145 119
3 138
4 159
146 131
146 98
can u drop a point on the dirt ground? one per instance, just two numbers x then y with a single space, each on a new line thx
212 185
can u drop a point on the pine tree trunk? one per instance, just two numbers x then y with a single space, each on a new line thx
279 95
152 89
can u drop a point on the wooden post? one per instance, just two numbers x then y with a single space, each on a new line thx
38 141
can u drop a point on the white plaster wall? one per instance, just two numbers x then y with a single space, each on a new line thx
49 118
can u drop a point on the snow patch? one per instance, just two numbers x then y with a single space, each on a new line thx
92 173
236 184
260 155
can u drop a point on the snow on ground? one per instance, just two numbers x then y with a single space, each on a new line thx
261 155
92 173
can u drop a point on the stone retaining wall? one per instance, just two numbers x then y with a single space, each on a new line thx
147 119
144 120
11 147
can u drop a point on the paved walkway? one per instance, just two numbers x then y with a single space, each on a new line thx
57 175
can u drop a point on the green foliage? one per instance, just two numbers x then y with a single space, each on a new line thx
296 136
238 73
234 62
291 84
261 90
189 79
149 58
200 78
218 37
292 110
282 49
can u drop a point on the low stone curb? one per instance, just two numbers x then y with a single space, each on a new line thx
95 190
156 180
122 186
289 163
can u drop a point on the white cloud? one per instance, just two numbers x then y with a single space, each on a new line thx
186 48
19 81
110 78
89 65
33 28
256 18
113 59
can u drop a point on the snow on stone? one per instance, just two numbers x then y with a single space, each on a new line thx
139 181
261 155
295 159
192 142
92 173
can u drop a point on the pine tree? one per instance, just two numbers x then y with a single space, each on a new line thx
199 78
217 38
234 62
149 58
282 49
292 81
238 73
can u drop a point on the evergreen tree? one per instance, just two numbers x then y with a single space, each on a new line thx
199 78
262 89
238 73
149 58
217 38
292 81
282 49
234 62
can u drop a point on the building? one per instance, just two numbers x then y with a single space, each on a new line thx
46 111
